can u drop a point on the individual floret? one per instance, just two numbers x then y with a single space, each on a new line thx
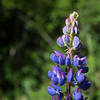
57 76
76 43
77 95
70 77
68 60
79 76
58 57
85 85
55 90
79 61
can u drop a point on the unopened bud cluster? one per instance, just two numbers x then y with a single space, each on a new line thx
76 78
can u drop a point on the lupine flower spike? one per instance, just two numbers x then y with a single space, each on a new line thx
71 61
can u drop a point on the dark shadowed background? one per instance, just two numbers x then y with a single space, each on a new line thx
28 33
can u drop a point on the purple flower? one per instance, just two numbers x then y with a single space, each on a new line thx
54 72
50 73
75 61
60 42
82 61
51 91
56 68
61 57
59 53
54 58
68 60
53 76
85 85
54 79
76 43
79 76
65 38
55 90
70 77
56 87
65 29
77 95
61 60
79 61
71 42
84 69
57 76
62 78
58 57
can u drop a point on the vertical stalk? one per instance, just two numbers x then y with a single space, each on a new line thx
72 16
68 90
67 83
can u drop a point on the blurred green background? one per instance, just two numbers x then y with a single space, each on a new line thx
28 33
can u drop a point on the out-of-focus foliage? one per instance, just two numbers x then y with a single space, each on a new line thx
28 33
